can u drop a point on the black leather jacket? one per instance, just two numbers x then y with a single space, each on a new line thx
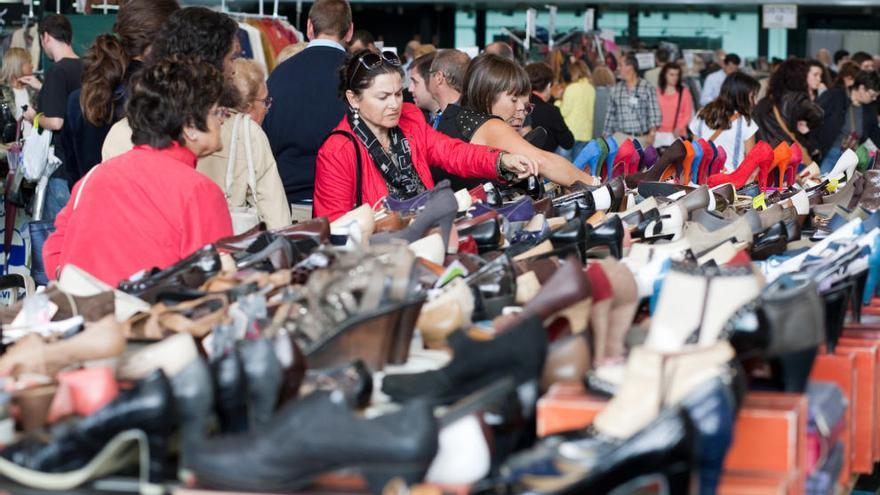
793 107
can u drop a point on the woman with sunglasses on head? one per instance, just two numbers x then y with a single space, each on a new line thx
149 207
393 144
245 168
498 89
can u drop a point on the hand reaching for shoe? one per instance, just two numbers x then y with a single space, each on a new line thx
518 164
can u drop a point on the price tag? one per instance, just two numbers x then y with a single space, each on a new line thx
759 202
832 185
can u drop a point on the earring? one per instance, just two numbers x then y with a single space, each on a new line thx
356 117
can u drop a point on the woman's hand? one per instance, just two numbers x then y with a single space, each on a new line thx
802 127
31 81
518 164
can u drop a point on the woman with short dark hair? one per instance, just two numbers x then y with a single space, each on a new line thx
392 144
149 207
495 97
197 33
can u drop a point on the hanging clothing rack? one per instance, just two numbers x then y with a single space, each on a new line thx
259 15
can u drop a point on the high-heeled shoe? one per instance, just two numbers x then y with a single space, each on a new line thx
613 148
566 295
623 159
691 163
400 444
670 164
719 293
845 167
791 171
649 158
99 340
417 203
717 165
448 312
781 157
94 445
263 375
358 223
439 210
518 211
760 154
705 163
354 380
518 352
588 157
568 359
494 287
191 272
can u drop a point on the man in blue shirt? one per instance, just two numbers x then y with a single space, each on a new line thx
306 105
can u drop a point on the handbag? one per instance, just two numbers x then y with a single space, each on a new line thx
37 152
245 217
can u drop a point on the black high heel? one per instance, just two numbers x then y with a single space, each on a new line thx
518 352
494 287
190 272
96 445
315 435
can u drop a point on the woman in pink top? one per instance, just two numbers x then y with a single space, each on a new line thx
676 106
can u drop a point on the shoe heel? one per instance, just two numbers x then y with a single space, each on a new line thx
158 455
403 334
445 224
578 316
379 477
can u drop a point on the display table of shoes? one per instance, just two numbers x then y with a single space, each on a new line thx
412 346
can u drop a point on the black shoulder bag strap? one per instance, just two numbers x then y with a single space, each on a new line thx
357 153
677 111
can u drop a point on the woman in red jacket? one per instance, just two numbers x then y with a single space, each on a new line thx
393 144
149 207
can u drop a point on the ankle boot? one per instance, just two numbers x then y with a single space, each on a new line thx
321 435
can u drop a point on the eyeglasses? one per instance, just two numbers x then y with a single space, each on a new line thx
527 109
222 113
374 60
267 101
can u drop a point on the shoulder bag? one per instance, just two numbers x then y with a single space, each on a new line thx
805 153
244 217
358 194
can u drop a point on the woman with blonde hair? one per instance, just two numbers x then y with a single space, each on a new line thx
603 81
16 95
245 168
578 105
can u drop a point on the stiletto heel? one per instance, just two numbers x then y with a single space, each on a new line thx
439 210
403 334
157 446
781 157
762 153
668 165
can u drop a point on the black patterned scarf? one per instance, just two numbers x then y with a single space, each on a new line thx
400 176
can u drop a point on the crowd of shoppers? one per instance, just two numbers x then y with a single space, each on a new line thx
241 141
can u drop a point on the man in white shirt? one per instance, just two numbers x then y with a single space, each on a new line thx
712 86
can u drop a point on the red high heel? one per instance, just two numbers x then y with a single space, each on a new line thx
718 165
762 153
706 162
797 157
623 158
781 157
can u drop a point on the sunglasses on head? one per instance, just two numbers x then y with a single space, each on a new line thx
373 60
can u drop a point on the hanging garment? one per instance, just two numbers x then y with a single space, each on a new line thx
256 44
245 43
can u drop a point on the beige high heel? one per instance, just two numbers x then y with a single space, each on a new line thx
362 218
446 313
430 248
